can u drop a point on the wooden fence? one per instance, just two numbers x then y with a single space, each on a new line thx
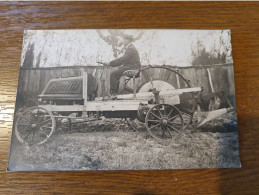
32 81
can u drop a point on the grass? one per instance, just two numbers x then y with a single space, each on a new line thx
113 146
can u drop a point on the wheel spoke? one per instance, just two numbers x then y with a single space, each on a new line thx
45 122
170 112
38 115
163 133
165 110
25 130
154 126
44 129
174 117
41 118
25 138
41 136
30 112
32 116
175 123
158 131
159 111
154 114
23 125
25 118
153 121
33 134
174 128
42 132
169 132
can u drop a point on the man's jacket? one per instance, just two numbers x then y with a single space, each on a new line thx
130 58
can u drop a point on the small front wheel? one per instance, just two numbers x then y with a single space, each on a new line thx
34 126
164 122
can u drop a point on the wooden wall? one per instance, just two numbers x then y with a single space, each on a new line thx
32 81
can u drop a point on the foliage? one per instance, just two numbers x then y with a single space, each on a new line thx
29 56
114 39
147 55
38 60
206 58
217 55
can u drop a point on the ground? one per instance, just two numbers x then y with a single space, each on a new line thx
112 144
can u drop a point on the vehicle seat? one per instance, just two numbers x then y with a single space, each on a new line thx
131 73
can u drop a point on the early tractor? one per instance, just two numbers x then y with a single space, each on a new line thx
165 109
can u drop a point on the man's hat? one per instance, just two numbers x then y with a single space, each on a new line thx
128 37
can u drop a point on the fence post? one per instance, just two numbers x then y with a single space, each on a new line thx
84 73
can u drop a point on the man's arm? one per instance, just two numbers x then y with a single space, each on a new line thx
121 60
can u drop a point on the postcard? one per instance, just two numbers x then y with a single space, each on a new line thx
125 99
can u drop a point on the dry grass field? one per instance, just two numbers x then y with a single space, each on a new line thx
113 145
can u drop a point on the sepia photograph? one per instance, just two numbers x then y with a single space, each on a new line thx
125 99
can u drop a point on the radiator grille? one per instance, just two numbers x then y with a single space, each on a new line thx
65 87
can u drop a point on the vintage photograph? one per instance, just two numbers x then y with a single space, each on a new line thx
125 99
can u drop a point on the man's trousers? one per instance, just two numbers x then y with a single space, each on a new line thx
116 75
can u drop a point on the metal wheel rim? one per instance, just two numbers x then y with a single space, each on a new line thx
52 128
190 116
163 67
147 120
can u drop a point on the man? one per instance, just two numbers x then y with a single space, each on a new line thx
129 61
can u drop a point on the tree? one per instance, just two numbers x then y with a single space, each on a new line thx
114 39
206 58
29 56
202 57
148 40
38 61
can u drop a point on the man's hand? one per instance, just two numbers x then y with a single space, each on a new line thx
106 63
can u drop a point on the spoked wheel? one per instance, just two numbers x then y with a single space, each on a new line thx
164 122
34 126
165 78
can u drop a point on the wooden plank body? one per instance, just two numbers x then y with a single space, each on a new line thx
123 102
164 93
97 106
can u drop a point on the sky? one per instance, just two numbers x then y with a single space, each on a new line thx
84 47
